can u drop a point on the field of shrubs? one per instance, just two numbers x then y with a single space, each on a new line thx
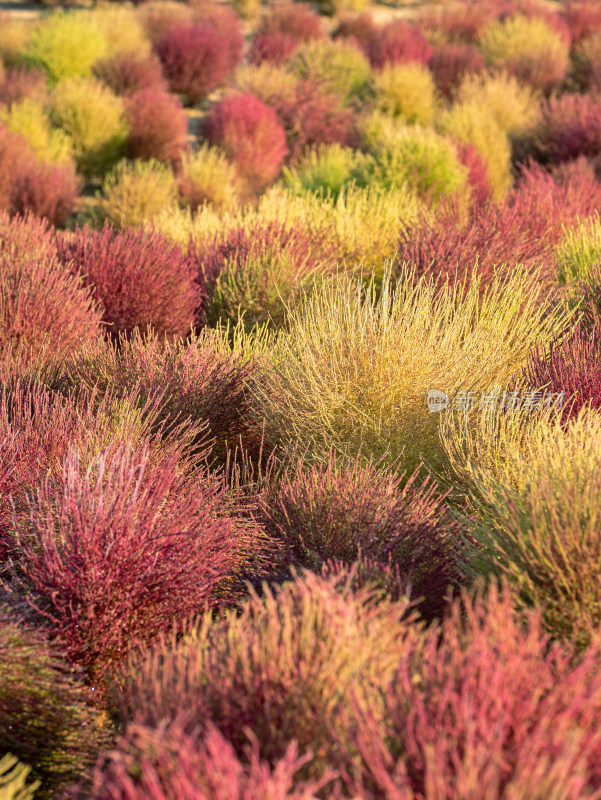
300 401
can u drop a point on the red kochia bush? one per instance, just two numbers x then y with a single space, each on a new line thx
170 765
521 229
583 17
313 116
344 509
197 58
298 20
42 306
450 63
158 126
18 83
485 707
570 127
397 42
126 73
463 21
120 549
138 276
30 185
477 172
273 46
251 135
360 27
573 367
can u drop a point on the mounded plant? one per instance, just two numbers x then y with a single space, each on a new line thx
127 73
397 42
529 48
337 66
138 278
251 136
66 44
451 62
326 170
158 126
352 371
135 192
206 176
94 119
30 119
406 91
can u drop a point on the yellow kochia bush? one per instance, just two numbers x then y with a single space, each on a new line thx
353 370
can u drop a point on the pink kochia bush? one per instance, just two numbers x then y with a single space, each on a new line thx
344 509
121 548
282 29
126 73
198 57
252 137
18 83
137 276
158 126
521 229
570 127
169 764
397 42
484 707
573 366
28 184
450 63
43 308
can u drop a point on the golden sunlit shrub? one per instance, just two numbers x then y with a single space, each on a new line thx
122 27
579 251
352 371
269 82
135 191
206 176
66 44
338 66
538 521
473 123
94 119
29 118
529 48
13 779
514 106
406 91
248 9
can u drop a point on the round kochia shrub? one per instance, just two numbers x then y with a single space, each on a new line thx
206 176
406 91
158 126
450 63
251 135
338 67
298 20
42 306
272 46
137 277
280 667
351 372
484 706
134 192
66 45
19 83
94 119
343 509
43 716
529 49
397 42
126 73
119 549
197 58
569 127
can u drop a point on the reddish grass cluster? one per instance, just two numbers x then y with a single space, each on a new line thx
116 551
519 230
463 21
252 137
30 185
138 277
570 127
18 83
573 367
486 707
43 308
344 509
127 73
450 63
397 42
282 29
583 17
198 57
158 126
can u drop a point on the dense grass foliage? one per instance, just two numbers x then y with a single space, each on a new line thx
300 392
